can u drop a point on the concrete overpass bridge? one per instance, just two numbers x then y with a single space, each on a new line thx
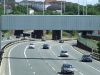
50 22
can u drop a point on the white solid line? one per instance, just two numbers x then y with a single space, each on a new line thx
31 67
25 51
85 63
61 47
34 73
52 51
52 67
29 64
92 67
81 73
9 57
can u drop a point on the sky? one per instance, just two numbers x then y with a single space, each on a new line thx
74 1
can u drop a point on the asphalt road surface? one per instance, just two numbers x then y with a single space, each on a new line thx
38 61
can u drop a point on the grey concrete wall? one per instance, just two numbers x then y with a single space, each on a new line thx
50 22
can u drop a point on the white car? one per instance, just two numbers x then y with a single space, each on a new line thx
64 54
31 46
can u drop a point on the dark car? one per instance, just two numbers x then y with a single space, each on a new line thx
67 68
45 46
86 58
61 41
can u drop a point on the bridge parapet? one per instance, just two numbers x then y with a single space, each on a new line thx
50 22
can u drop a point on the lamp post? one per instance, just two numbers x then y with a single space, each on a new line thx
61 7
64 5
4 7
43 7
86 7
78 8
83 7
27 7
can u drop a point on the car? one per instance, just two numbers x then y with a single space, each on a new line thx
61 41
31 46
67 68
86 58
43 39
64 54
45 46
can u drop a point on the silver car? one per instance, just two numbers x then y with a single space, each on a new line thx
31 46
64 54
67 68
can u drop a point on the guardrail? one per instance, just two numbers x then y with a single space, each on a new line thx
87 42
96 56
6 46
92 45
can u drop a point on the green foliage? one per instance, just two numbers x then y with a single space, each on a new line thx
70 9
1 10
19 10
38 13
98 44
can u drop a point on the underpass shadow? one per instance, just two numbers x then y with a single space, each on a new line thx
38 58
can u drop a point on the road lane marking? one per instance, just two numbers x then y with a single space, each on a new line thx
9 57
52 67
33 73
83 62
29 64
74 58
31 67
26 55
81 73
52 51
47 61
91 67
69 54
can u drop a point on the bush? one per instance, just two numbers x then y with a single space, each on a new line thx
98 44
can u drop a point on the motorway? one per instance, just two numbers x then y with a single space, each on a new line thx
38 61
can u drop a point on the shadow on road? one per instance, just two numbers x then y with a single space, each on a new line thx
40 58
64 74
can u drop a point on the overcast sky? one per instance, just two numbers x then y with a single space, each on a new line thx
75 1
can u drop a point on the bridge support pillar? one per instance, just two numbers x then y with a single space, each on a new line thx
18 33
37 34
56 34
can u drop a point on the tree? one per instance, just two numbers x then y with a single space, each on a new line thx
19 10
1 10
98 44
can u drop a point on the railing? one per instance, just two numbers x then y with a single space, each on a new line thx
91 44
88 42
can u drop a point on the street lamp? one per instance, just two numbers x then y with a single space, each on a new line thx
64 5
86 7
61 8
4 7
83 7
43 7
78 8
27 6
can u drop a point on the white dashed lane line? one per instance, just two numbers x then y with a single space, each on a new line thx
9 56
27 59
